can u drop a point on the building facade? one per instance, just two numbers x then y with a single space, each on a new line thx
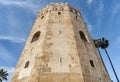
59 49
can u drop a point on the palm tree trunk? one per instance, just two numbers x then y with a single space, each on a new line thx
111 65
102 61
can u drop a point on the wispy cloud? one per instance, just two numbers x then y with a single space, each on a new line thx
13 39
90 27
89 1
5 55
99 9
24 4
11 2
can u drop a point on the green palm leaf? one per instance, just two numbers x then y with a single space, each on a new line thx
3 75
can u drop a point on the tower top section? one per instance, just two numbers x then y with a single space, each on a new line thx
59 7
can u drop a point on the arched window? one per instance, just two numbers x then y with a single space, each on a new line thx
72 10
76 17
82 35
35 36
26 64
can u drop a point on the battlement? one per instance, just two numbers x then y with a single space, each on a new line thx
58 7
52 6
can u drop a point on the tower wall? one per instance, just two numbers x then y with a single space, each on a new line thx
59 49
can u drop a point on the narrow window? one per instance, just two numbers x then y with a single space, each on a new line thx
35 36
91 63
60 60
42 17
26 64
59 21
59 13
82 35
59 31
76 17
72 10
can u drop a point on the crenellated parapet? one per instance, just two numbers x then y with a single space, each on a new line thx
58 7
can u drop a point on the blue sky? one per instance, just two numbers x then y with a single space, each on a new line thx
102 18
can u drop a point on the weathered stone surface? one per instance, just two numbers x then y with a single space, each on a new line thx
59 52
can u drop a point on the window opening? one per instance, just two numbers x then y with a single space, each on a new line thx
26 64
59 13
82 35
47 11
60 60
60 32
42 17
59 21
72 10
35 36
76 17
91 63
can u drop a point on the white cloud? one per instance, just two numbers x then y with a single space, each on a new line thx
5 55
15 31
99 13
24 4
14 25
90 27
100 8
13 39
7 58
11 2
89 1
10 71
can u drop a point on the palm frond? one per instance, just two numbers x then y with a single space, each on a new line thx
3 75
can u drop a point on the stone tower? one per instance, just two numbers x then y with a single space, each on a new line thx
59 49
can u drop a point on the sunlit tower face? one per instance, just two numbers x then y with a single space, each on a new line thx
59 49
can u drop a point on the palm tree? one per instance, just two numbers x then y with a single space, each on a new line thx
104 45
3 75
97 43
